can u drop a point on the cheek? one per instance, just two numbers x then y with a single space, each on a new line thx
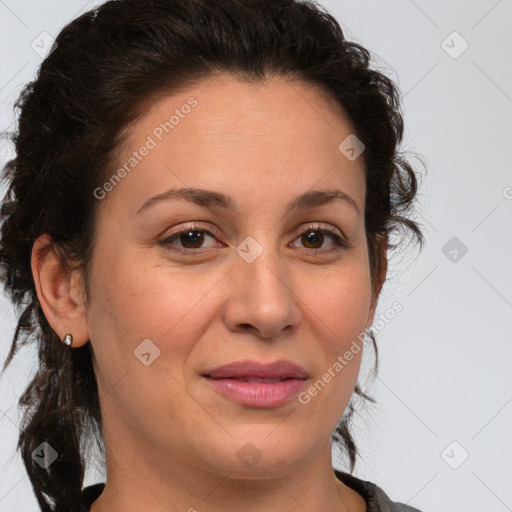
153 301
339 299
337 308
132 303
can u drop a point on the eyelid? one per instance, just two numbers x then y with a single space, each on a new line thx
323 226
193 227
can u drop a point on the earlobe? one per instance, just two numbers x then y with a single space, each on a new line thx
56 292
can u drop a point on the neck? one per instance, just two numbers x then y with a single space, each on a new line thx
144 478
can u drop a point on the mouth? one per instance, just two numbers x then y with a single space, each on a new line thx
258 385
257 392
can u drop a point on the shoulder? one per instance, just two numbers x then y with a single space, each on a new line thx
377 500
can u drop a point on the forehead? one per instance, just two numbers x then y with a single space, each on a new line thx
272 138
224 101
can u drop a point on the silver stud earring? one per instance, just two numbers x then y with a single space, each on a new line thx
68 340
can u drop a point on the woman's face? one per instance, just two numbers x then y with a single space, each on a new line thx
255 280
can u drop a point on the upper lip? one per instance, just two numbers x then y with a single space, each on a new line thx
278 369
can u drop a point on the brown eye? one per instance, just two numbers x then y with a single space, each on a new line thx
313 238
190 239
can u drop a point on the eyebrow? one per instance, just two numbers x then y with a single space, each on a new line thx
210 198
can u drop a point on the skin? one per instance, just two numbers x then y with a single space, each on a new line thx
171 440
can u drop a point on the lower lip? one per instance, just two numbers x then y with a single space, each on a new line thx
258 394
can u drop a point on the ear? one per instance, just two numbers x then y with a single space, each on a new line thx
59 292
383 268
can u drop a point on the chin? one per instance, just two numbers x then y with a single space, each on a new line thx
259 455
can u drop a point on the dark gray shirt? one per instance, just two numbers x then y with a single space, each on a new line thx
376 499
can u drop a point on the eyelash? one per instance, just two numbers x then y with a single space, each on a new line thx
166 242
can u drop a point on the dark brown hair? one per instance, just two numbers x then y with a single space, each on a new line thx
107 66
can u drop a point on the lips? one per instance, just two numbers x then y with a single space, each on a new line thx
253 371
258 385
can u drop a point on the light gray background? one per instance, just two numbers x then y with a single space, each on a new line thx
445 359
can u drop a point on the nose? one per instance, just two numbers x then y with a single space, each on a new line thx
261 297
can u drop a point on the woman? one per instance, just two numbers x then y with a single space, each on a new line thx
196 230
